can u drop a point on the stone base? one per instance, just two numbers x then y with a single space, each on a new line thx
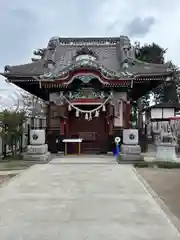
130 149
130 157
37 149
36 157
166 152
130 153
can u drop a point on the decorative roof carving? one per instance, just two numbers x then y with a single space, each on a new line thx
86 78
85 57
84 63
89 93
86 51
40 52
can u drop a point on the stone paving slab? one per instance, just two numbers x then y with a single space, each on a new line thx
83 159
81 201
8 172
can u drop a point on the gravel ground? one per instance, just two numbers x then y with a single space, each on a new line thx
166 183
4 178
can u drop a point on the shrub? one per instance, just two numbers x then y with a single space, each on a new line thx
168 165
159 164
141 164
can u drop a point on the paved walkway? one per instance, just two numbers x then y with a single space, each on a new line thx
81 201
9 172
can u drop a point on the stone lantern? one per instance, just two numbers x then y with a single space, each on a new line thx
166 148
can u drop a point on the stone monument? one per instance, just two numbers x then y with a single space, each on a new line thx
166 147
37 150
130 149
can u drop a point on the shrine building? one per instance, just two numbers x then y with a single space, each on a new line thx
89 85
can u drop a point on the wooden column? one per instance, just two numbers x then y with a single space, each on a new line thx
128 112
67 123
48 116
110 119
62 127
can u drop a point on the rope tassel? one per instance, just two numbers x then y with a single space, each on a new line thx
97 114
69 107
90 116
77 113
86 116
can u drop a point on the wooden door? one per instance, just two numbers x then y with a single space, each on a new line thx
93 132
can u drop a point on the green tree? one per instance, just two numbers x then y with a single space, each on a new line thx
12 128
171 90
151 53
177 79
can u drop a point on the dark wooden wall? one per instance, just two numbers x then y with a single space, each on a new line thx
54 138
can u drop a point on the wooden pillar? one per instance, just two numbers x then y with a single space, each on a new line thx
48 116
62 127
124 112
110 119
128 113
66 126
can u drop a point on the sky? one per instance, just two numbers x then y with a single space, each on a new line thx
28 25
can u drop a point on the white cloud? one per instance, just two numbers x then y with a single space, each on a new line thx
164 31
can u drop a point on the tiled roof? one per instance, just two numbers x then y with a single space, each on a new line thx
111 52
139 68
30 69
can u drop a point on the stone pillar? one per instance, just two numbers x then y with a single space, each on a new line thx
130 149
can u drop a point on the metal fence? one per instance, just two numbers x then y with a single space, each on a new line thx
31 123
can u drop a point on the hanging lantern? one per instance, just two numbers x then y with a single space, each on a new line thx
97 114
69 107
104 108
86 116
77 113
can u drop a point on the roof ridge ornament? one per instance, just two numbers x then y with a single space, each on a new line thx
126 49
7 69
53 43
